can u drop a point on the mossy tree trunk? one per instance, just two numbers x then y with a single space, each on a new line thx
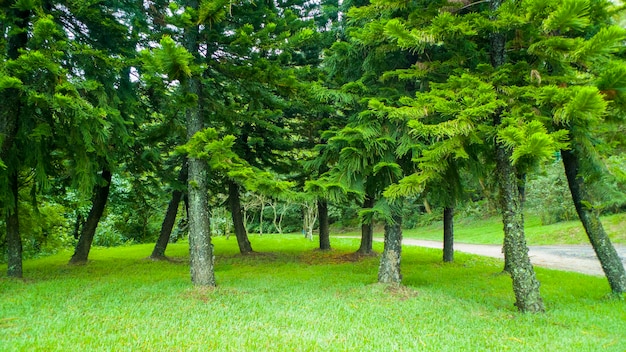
389 269
200 247
367 230
525 283
170 217
448 234
322 209
609 259
88 231
234 202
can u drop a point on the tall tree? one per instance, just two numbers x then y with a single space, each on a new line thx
200 247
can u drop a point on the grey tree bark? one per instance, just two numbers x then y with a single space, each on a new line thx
88 231
322 209
170 217
234 202
525 283
389 269
200 246
609 259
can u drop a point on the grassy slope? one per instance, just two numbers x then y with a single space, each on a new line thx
489 231
297 299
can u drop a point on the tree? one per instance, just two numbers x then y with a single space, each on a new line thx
170 215
59 116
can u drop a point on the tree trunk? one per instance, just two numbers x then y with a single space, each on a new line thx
235 210
367 230
525 283
77 225
200 247
322 210
609 259
101 194
11 98
14 238
448 234
389 269
170 217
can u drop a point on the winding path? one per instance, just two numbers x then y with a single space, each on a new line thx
578 258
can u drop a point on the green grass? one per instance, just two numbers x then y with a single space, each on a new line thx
294 298
489 231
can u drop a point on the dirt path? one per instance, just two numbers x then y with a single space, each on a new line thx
578 258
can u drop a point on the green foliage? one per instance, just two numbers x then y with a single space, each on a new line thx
171 59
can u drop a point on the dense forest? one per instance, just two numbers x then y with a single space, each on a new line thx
147 121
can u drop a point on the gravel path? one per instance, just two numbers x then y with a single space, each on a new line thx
578 258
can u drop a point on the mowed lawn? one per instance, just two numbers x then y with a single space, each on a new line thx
291 297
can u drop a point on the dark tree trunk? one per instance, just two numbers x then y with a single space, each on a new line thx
367 230
389 269
525 283
322 209
14 239
200 247
77 225
11 98
609 259
448 234
234 201
101 194
170 217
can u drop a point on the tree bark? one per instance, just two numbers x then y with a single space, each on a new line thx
609 259
234 202
87 233
322 209
14 238
448 234
525 283
170 217
389 269
367 230
200 247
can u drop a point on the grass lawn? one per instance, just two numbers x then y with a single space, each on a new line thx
489 231
294 298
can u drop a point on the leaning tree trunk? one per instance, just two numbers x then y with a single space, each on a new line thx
170 217
367 230
448 234
14 239
87 233
322 209
234 202
200 247
389 269
609 259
